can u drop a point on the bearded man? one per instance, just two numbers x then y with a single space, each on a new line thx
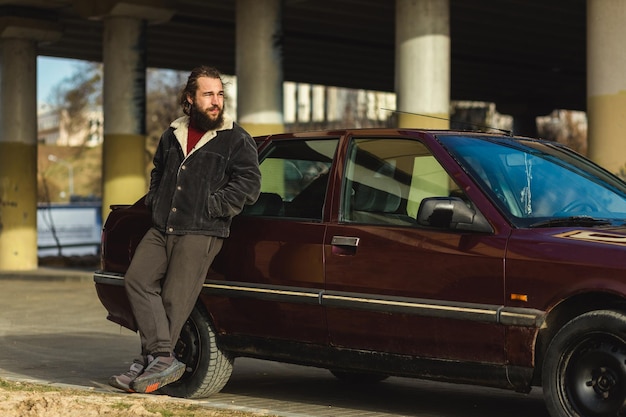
205 170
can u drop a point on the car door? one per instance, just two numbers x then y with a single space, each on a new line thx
267 279
394 286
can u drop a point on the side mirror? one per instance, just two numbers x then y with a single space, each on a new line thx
451 213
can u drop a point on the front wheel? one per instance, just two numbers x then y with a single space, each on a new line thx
208 368
584 371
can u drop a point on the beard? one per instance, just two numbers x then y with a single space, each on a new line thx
202 121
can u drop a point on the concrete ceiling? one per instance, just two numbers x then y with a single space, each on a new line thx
520 54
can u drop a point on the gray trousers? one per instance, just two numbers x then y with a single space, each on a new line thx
163 282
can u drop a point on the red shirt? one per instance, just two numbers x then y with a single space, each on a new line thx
193 136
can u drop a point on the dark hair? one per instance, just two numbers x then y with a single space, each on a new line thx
192 84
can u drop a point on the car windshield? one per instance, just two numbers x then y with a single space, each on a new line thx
538 183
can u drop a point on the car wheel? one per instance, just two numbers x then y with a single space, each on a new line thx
208 368
358 377
584 372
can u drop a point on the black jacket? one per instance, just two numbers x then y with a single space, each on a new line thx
200 193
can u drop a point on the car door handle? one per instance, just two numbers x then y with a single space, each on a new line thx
344 245
345 241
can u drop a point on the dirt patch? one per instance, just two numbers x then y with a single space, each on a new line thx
31 400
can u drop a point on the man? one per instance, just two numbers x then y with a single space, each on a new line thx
205 170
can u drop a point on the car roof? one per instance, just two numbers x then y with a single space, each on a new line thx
381 131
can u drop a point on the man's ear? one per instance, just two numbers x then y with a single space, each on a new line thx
189 99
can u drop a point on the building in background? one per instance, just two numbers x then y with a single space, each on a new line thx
54 127
315 107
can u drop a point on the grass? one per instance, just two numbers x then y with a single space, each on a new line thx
78 401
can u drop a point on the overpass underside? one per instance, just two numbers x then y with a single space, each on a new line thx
527 57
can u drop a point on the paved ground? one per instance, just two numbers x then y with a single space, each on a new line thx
53 330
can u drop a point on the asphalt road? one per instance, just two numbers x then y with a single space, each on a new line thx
54 330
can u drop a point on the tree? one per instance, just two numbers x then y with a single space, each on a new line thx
75 95
162 94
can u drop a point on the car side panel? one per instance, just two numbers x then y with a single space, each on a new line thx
266 280
450 286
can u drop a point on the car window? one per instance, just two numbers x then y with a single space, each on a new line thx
387 179
294 179
535 180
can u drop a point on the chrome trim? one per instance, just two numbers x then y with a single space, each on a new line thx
489 313
263 292
415 306
519 316
110 278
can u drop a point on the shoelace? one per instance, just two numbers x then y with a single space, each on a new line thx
157 366
135 369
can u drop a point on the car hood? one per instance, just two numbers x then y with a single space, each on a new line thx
610 235
597 247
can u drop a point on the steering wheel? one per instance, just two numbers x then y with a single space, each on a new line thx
578 206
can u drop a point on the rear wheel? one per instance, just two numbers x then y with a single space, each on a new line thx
208 368
584 372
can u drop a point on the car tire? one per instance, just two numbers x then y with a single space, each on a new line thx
208 368
357 377
584 371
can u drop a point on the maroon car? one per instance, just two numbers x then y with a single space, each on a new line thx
457 256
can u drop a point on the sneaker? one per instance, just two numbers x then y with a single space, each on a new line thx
160 372
123 381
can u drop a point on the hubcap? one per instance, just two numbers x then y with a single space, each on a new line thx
602 380
186 349
595 377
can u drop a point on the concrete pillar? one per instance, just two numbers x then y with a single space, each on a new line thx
124 93
606 83
124 106
18 139
422 74
259 66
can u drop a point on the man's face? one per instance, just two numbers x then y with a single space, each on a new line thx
207 105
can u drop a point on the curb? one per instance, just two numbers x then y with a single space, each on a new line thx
47 274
